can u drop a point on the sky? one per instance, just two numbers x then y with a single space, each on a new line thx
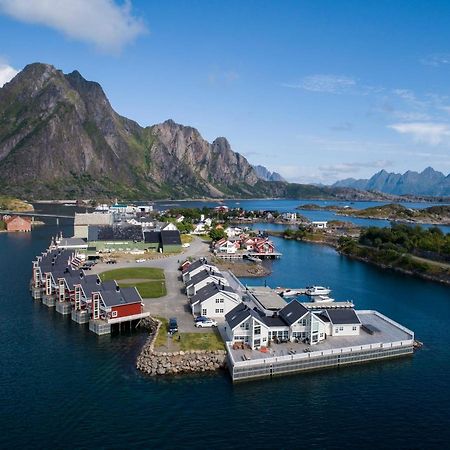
315 90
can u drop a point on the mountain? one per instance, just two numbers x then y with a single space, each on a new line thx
264 174
60 137
428 182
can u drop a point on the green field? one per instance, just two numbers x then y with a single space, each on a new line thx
189 341
150 282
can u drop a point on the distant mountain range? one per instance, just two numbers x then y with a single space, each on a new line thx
429 183
264 174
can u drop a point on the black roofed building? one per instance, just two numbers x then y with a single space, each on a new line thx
203 278
163 241
343 322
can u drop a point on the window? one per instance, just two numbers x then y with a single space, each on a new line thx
354 328
219 311
341 328
114 314
245 325
257 330
336 330
219 300
204 312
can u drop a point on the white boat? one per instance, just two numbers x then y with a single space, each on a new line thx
317 290
322 299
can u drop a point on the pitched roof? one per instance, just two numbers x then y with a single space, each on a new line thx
343 316
237 315
203 275
292 312
208 291
193 266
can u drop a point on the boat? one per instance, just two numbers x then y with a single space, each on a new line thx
317 290
322 299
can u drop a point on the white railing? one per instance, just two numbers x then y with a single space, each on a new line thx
318 354
386 319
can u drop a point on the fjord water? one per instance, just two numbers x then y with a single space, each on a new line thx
61 386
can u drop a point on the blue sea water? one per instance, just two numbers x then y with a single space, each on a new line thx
63 387
284 205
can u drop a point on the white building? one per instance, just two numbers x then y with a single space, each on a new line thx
83 221
320 225
291 323
291 217
203 278
228 247
232 232
196 267
214 300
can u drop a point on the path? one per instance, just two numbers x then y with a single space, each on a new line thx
175 303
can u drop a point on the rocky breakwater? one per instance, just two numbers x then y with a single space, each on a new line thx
156 363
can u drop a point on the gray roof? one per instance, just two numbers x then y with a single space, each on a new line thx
67 242
194 265
343 316
208 291
292 312
120 297
237 315
274 321
203 275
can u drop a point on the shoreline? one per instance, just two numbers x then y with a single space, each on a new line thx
335 246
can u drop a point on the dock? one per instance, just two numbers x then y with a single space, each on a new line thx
390 340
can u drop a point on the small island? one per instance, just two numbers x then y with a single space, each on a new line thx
434 215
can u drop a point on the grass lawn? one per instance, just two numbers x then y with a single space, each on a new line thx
151 280
201 341
189 341
186 238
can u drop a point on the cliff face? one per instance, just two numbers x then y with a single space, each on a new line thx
60 137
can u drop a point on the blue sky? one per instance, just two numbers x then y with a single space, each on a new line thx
316 90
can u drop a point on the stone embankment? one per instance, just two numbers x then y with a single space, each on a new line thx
156 363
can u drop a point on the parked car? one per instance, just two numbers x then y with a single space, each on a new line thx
200 319
186 245
208 323
141 260
173 325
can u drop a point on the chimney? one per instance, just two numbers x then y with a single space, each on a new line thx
117 288
81 275
98 281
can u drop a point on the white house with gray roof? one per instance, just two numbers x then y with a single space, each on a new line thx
214 300
293 322
203 278
195 268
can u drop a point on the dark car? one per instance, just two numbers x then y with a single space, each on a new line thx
173 325
200 319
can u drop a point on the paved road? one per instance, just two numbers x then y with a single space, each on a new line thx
175 303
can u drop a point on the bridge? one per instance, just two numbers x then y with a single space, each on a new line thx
35 214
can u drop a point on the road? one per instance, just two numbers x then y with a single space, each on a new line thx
175 303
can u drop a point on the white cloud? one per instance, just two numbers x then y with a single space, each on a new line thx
424 132
107 25
334 84
7 73
436 60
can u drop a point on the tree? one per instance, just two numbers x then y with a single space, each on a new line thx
217 234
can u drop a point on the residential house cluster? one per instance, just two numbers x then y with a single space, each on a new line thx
58 280
208 290
261 245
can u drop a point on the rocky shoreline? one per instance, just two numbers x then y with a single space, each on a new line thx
156 363
243 269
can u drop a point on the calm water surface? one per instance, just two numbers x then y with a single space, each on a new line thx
61 386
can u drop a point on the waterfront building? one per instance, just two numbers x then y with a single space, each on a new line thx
320 225
82 222
214 300
17 224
